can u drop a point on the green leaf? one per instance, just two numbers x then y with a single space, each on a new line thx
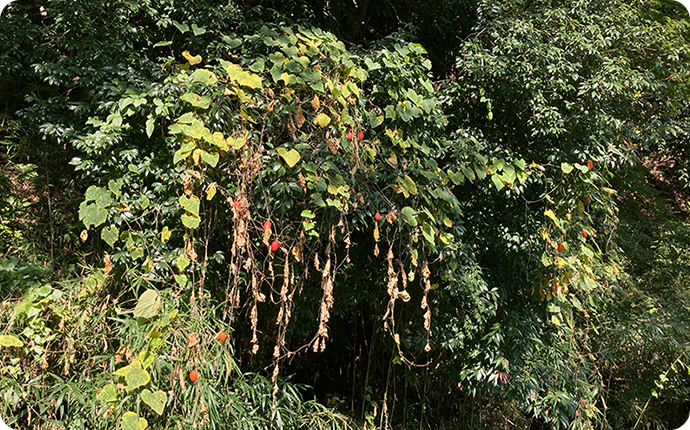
162 43
110 235
497 182
181 280
134 374
191 221
408 184
148 305
566 168
210 159
457 178
545 260
469 173
202 102
322 120
182 27
192 59
429 232
155 400
186 118
182 263
408 215
198 31
91 214
291 157
131 421
190 204
115 185
242 77
204 76
107 393
7 340
150 124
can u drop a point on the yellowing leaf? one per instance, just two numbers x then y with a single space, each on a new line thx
134 374
204 76
243 77
211 191
322 120
193 59
148 305
236 143
165 234
131 421
7 340
291 157
155 400
107 393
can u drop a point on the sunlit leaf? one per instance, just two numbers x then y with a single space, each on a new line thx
148 305
291 157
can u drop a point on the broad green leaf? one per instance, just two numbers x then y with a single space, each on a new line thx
110 235
150 124
100 196
134 374
191 221
192 59
408 184
469 173
198 31
457 178
307 214
182 263
181 280
546 260
202 102
566 168
182 27
242 77
155 400
190 204
91 214
7 340
497 182
148 305
147 356
107 393
183 152
131 421
204 76
428 231
219 141
291 157
322 120
210 159
186 118
115 185
408 215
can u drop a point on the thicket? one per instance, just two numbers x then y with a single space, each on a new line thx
343 215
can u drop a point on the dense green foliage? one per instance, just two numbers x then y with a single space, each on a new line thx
344 214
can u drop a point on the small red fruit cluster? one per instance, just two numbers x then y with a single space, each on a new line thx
267 225
360 136
560 247
584 234
275 245
377 216
349 135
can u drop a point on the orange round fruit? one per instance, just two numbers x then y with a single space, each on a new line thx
193 376
222 336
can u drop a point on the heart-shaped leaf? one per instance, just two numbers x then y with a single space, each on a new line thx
155 400
110 235
191 221
190 204
131 421
322 120
291 157
148 305
193 59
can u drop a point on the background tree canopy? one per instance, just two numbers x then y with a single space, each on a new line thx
344 214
